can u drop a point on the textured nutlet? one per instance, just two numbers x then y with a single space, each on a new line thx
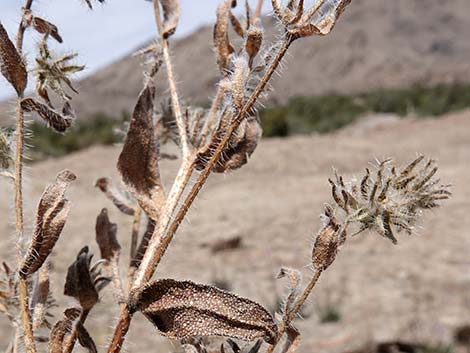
106 236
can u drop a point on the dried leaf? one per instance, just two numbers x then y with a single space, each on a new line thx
59 122
40 297
82 282
51 215
106 236
85 339
45 27
138 161
292 341
322 21
171 14
12 65
61 329
223 48
183 309
143 244
116 196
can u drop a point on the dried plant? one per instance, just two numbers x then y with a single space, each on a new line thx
387 200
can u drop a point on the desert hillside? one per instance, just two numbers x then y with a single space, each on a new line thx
416 291
377 44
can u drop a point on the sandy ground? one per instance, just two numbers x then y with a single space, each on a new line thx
418 290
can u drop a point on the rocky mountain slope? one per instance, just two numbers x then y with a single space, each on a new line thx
377 43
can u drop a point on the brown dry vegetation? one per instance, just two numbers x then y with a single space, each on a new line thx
418 291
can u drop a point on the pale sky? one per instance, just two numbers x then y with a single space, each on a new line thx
103 35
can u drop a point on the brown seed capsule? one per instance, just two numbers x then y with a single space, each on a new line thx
59 122
106 236
51 215
138 161
83 282
45 27
12 66
223 48
325 247
254 39
183 309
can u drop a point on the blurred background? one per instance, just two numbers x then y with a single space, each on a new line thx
392 80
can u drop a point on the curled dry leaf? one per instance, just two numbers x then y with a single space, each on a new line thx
61 329
85 339
41 26
116 196
106 236
84 282
138 161
171 14
12 65
51 215
59 122
183 309
321 21
223 48
143 244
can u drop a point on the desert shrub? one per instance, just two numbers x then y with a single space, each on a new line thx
387 200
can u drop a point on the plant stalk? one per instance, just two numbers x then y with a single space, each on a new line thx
164 234
26 320
185 147
26 316
284 325
70 344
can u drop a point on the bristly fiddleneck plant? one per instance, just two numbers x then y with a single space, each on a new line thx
387 200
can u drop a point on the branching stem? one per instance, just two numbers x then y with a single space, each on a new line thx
70 344
175 103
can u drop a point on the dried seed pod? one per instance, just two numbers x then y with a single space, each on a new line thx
51 215
171 14
183 309
138 161
84 282
236 25
59 122
320 19
325 247
85 339
239 79
223 48
12 65
44 27
116 196
61 329
106 236
254 39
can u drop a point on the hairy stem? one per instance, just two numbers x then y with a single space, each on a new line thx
26 320
175 103
70 344
135 234
284 325
165 230
26 316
